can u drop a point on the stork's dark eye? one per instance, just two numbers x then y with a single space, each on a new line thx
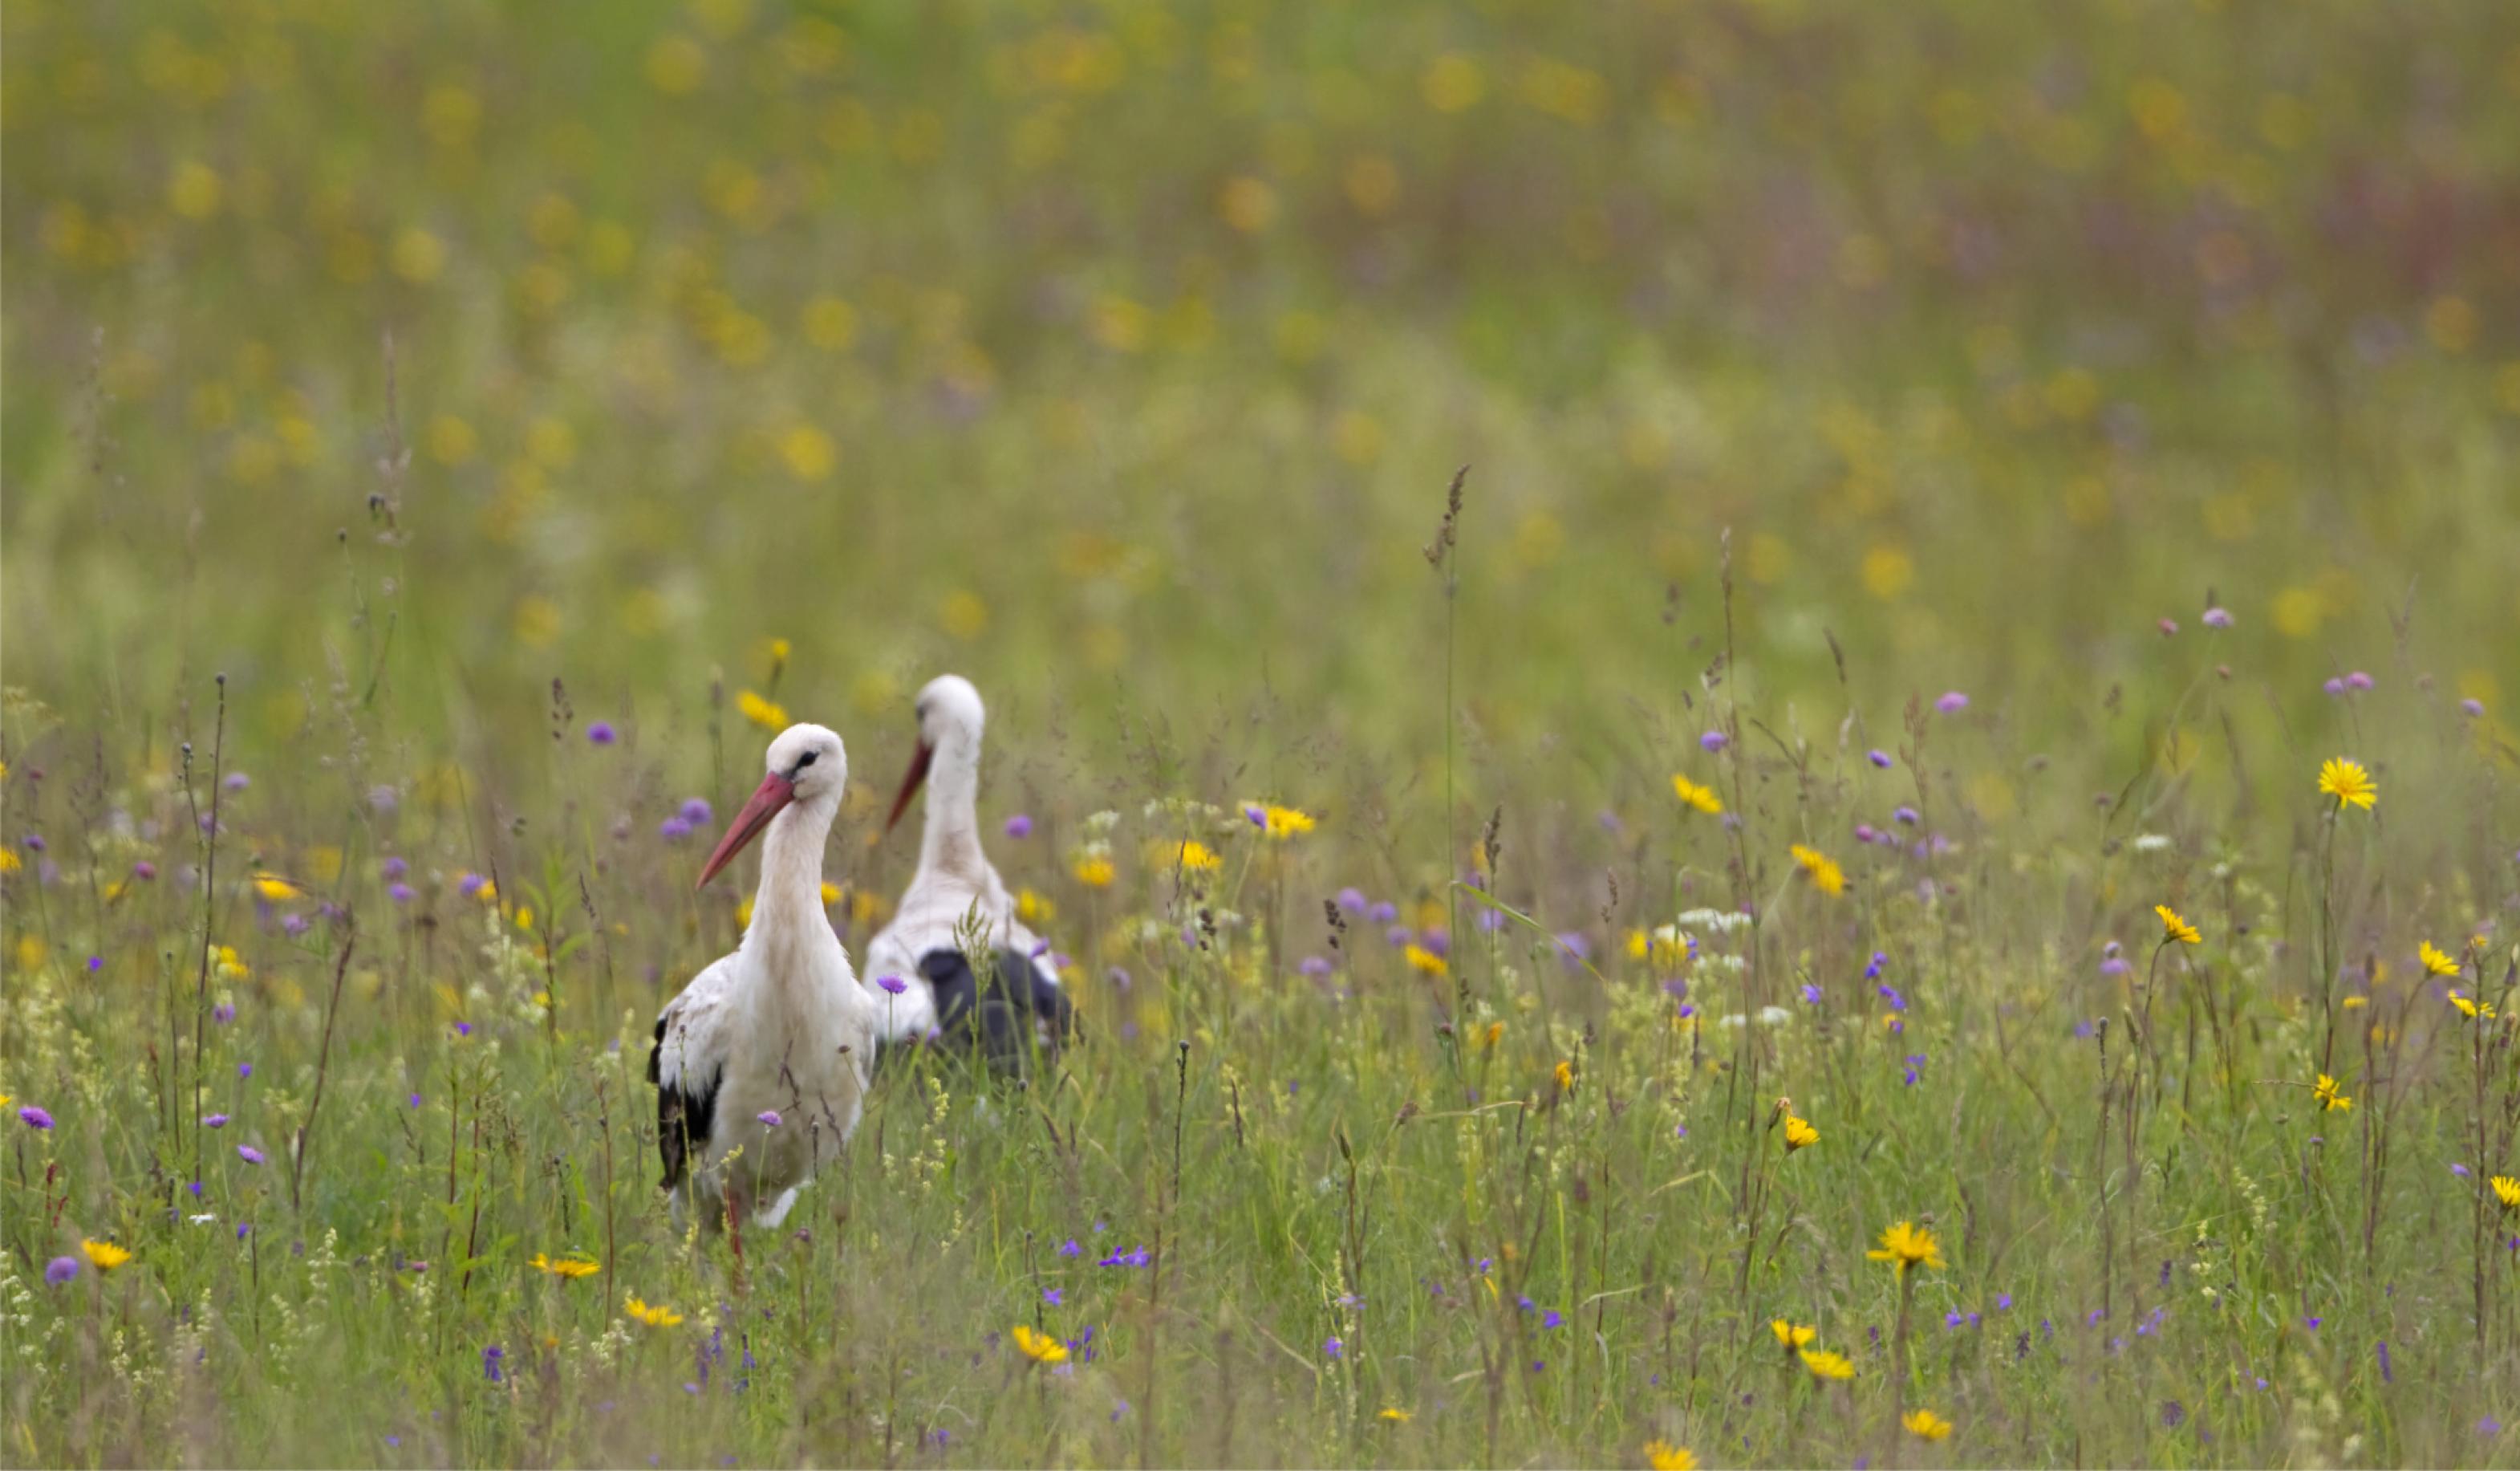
806 760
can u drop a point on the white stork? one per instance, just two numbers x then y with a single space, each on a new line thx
765 1056
957 906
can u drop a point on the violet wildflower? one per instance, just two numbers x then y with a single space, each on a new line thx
1573 948
245 1070
60 1271
34 842
223 1013
1952 703
401 893
673 830
1332 1347
2334 687
769 1117
1352 899
2217 617
1314 966
469 884
237 781
2173 1414
34 1118
1904 814
1916 1065
1552 1319
294 924
1400 935
490 1359
250 1154
1811 994
2486 1425
2386 1376
214 1121
893 985
1020 826
1878 758
1872 970
383 799
144 870
602 733
1383 913
696 810
415 1100
2472 709
2168 627
1714 740
2358 681
1054 1295
96 962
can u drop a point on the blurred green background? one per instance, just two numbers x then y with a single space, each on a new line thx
1117 354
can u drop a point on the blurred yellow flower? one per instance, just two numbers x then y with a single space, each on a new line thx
1196 855
762 712
1565 1076
2435 962
1279 822
1092 870
567 1269
1823 872
1799 1133
105 1253
1425 960
274 888
2467 1007
2328 1091
1040 1348
2344 779
1926 1425
676 65
1693 794
1396 1415
418 255
1249 204
1033 909
1663 1455
192 191
808 453
1907 1245
657 1316
1452 83
8 861
2174 927
963 615
2506 1190
1825 1364
1791 1337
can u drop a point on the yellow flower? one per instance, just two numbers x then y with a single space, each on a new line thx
2435 962
1033 909
9 861
1799 1133
1827 1366
779 648
2328 1090
760 711
1925 1425
1040 1348
2481 1010
1907 1246
1492 1034
1791 1337
569 1268
2344 779
1092 870
2173 926
830 893
105 1253
1825 875
274 888
1197 856
1665 946
2506 1190
1426 960
1279 822
1396 1415
657 1316
1663 1455
1565 1075
1693 794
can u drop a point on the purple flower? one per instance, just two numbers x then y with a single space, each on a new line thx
2003 1302
214 1121
2386 1377
673 830
96 962
1552 1319
602 733
1714 740
1383 913
1258 816
1954 1319
696 812
1332 1347
2358 680
1952 703
245 1070
2486 1425
1890 993
2471 708
60 1271
393 869
1314 966
2218 618
1879 758
223 1013
490 1357
250 1154
415 1100
244 1227
2459 1170
401 893
1072 1249
1134 1257
1904 814
892 983
2311 1323
1915 1064
1811 994
294 923
2168 627
1437 941
1020 826
1573 948
1398 934
769 1117
34 842
34 1118
1866 833
1872 969
144 870
464 1029
469 884
2334 686
2173 1414
383 799
1352 899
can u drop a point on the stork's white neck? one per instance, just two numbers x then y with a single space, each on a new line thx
951 842
788 920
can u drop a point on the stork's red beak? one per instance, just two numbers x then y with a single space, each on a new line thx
774 792
910 781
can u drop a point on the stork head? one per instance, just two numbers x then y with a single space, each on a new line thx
807 763
949 718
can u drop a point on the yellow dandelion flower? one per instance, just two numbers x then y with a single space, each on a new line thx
1663 1455
2344 779
1033 909
765 714
1565 1076
1693 794
1907 1245
274 888
1425 960
566 1269
1799 1135
1040 1348
2175 928
8 861
1279 822
656 1315
2472 1008
1396 1415
1925 1425
2355 1003
105 1253
1827 1366
2435 962
2506 1190
1791 1337
2329 1093
1822 870
1092 870
1196 855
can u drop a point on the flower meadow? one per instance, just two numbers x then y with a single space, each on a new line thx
1917 864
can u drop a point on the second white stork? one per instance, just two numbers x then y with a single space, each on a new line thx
957 908
762 1063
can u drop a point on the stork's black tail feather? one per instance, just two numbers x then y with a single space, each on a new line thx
1018 1011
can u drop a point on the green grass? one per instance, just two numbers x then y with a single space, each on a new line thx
450 380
